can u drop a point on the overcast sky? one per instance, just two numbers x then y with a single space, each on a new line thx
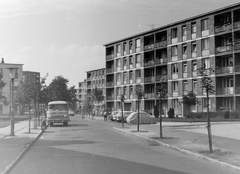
66 37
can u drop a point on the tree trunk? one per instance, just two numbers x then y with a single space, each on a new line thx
138 117
122 115
209 126
160 118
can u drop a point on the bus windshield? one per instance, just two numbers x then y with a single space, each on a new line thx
60 107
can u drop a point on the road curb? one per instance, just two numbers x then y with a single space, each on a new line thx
224 164
22 152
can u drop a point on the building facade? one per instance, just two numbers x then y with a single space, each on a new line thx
5 103
172 54
81 94
96 79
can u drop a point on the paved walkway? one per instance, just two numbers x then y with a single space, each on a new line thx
188 138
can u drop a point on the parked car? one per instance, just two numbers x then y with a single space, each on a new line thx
71 112
118 116
145 118
111 115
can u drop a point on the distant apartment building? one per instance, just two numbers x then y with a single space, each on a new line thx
81 93
96 79
31 76
6 91
172 54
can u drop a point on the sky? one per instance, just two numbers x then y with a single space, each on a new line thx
67 37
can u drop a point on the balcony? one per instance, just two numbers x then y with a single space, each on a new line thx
205 52
237 68
174 58
185 75
162 78
149 63
237 46
161 60
194 73
175 94
175 76
205 33
194 54
149 79
108 57
223 28
161 44
109 70
149 95
174 40
184 56
224 91
223 49
237 90
236 24
148 47
224 70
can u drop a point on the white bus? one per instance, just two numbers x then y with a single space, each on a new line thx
57 113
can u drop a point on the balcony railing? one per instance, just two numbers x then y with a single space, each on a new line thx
237 68
161 78
223 91
224 70
110 97
237 46
237 90
223 49
236 24
149 79
109 84
161 60
161 44
149 47
109 70
175 94
149 95
108 57
149 63
223 28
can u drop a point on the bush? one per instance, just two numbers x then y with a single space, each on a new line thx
171 113
226 114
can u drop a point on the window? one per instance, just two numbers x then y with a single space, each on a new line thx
174 51
124 90
118 77
130 75
138 58
206 63
184 30
175 103
138 73
130 46
184 48
174 33
205 103
204 24
185 87
118 48
194 65
118 62
194 85
174 68
138 43
193 27
175 86
124 76
205 44
194 47
124 61
184 67
1 73
118 91
124 47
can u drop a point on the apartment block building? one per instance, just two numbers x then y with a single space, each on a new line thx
96 79
5 103
172 54
81 93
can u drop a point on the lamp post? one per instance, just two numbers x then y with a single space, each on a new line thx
12 76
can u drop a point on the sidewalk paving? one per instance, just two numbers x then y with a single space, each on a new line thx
13 147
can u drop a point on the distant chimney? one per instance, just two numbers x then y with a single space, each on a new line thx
2 60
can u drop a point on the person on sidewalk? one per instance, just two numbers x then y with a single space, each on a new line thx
93 114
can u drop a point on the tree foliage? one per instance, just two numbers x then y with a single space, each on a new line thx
206 81
190 99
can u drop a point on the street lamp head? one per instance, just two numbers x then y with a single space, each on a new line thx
12 72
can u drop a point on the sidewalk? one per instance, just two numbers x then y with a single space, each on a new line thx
13 147
192 138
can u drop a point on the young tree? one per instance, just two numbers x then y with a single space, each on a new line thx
140 95
97 96
161 93
206 84
122 98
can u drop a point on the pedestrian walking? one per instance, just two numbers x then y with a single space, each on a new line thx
105 115
93 114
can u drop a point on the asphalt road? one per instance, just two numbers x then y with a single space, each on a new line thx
94 147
